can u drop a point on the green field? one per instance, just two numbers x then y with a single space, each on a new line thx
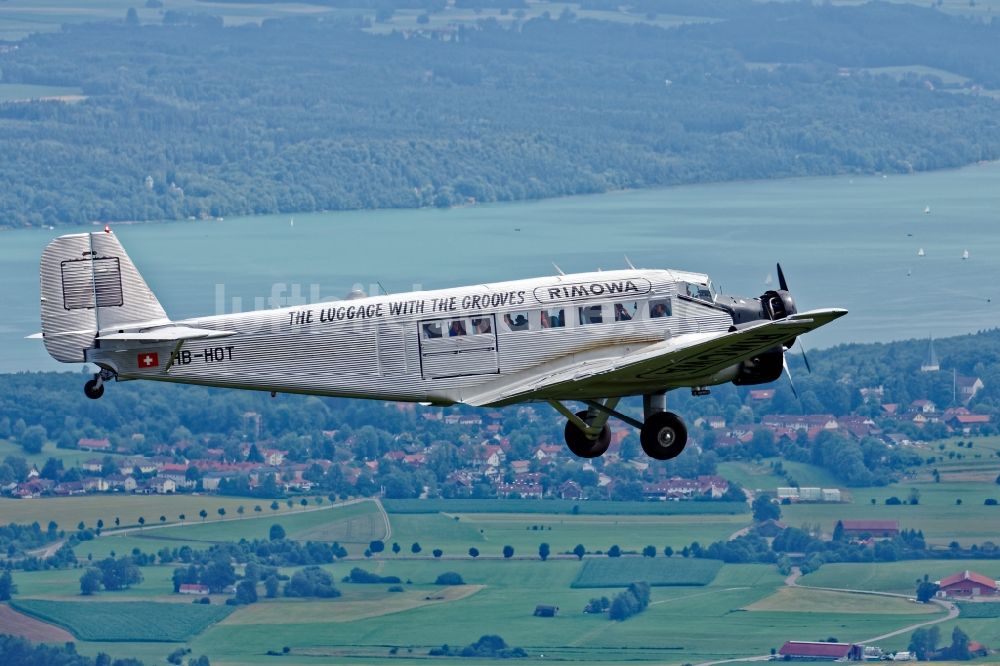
899 577
64 584
17 92
126 620
555 506
937 514
353 523
681 625
982 609
803 600
70 457
68 511
658 572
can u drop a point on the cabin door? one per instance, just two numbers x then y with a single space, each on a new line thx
458 347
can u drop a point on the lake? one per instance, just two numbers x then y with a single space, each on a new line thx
843 241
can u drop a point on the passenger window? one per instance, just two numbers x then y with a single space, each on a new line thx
482 325
553 318
626 311
591 314
456 328
432 330
516 321
660 308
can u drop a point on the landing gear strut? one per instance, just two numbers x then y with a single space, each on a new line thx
94 388
662 434
587 433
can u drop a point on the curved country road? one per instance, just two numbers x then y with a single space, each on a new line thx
792 581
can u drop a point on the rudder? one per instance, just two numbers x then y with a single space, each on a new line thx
90 286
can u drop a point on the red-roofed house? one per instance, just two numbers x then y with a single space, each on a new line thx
875 528
761 394
193 588
967 423
967 584
94 444
816 651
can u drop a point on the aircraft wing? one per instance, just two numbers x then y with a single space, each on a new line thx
670 363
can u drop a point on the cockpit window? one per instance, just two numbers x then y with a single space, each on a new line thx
703 292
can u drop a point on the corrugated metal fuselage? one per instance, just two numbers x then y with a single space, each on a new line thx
432 346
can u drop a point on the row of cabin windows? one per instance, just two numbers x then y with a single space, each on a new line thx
534 320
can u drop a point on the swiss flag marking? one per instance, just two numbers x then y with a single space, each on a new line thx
148 360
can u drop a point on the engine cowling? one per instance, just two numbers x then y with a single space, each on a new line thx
762 368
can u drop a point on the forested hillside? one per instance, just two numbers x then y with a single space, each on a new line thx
189 118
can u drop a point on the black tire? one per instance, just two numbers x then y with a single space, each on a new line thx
583 447
663 436
92 390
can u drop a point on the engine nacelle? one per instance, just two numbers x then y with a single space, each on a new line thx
762 368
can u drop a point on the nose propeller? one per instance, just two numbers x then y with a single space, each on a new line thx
781 280
783 286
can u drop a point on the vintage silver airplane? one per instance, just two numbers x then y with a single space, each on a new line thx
588 337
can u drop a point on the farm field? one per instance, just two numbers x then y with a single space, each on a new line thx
801 600
760 475
125 621
558 506
67 512
658 572
16 92
70 457
938 515
65 584
681 625
898 577
353 523
596 533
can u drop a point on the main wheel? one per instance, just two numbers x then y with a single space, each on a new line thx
93 390
581 445
663 436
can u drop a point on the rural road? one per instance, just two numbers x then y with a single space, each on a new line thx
47 551
792 581
325 507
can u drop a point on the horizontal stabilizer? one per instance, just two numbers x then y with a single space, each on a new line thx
33 336
167 334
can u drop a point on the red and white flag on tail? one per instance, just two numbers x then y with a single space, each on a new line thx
148 360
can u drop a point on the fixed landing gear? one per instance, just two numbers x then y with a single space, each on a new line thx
662 434
94 388
582 445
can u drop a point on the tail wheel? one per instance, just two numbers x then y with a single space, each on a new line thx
581 445
93 389
663 436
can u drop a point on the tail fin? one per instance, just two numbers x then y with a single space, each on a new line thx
90 286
